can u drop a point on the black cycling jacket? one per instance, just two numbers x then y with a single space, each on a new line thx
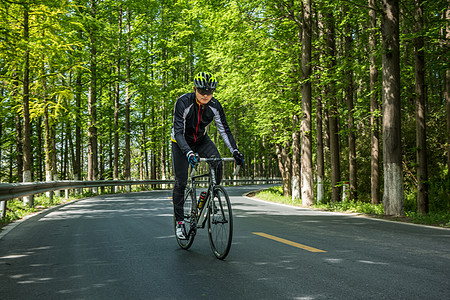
190 120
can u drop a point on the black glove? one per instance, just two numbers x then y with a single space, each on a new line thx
192 159
238 157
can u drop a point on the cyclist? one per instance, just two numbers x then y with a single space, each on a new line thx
192 113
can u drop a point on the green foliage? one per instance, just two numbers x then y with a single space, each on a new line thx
438 218
352 207
17 210
441 219
253 47
275 194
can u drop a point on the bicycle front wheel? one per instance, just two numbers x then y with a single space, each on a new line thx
220 223
190 219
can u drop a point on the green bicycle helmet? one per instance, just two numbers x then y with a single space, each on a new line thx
205 81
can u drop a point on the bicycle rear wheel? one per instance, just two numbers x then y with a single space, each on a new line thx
220 223
190 219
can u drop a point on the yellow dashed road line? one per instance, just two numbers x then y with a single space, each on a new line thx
291 243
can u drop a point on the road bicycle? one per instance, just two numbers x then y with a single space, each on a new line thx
215 211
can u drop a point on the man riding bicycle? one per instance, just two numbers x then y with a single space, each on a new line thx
192 113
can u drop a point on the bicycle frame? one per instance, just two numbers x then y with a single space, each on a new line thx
201 219
216 211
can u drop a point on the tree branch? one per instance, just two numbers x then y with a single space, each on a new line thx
377 9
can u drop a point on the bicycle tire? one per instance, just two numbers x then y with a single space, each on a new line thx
220 223
190 219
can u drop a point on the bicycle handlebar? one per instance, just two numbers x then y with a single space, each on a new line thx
211 159
216 159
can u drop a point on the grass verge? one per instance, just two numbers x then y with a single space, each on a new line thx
16 209
441 219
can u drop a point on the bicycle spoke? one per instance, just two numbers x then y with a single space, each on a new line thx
217 213
220 225
190 210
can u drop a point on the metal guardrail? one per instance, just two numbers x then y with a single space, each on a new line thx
10 191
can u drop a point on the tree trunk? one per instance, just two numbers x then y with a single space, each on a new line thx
92 105
65 167
144 117
447 98
163 157
1 132
153 165
39 176
71 150
47 136
143 155
78 141
18 122
256 157
27 158
319 151
117 101
334 117
2 203
306 125
319 126
296 169
421 137
127 162
54 159
393 196
162 152
102 156
350 106
284 165
47 147
374 108
334 155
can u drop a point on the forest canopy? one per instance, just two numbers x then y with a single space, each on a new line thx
326 94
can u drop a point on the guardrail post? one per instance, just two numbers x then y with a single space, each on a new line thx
77 190
57 192
345 191
2 209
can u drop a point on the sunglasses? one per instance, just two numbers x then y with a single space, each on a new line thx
205 92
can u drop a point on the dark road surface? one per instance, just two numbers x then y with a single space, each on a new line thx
122 247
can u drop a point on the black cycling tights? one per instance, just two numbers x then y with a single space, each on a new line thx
205 148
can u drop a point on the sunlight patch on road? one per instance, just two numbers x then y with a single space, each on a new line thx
334 260
287 242
13 256
372 262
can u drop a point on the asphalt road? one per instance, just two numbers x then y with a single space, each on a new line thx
123 247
